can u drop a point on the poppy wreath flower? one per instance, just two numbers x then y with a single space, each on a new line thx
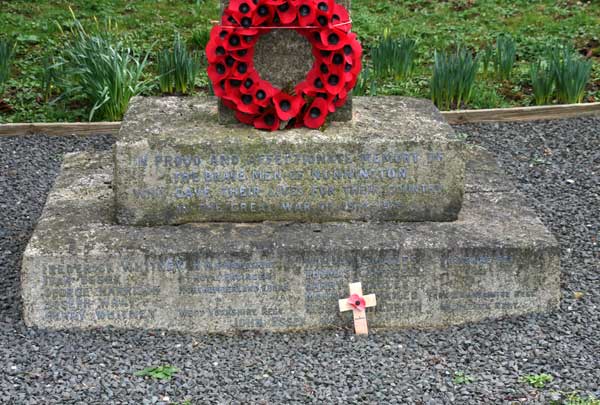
357 302
230 54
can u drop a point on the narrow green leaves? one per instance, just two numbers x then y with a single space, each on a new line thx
178 68
366 83
561 74
453 78
7 53
487 58
542 81
505 56
394 57
571 74
103 71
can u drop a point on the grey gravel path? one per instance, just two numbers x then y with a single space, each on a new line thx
557 165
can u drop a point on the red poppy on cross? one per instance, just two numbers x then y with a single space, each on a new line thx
358 305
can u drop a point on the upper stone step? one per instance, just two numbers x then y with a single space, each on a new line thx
398 160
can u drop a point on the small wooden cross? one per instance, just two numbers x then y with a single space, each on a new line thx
358 307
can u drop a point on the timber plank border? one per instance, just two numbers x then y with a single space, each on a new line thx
60 128
454 117
545 112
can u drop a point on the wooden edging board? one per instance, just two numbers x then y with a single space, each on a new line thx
545 112
60 128
453 117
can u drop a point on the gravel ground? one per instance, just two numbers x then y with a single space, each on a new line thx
556 164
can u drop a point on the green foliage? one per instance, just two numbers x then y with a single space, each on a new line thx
393 57
534 26
366 84
159 373
200 38
572 398
571 74
462 136
461 378
166 71
542 81
487 57
576 399
537 380
487 95
505 56
7 53
50 76
107 74
211 90
453 78
178 68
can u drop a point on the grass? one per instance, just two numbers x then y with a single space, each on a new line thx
39 28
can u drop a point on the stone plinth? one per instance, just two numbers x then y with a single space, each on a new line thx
284 57
176 164
81 270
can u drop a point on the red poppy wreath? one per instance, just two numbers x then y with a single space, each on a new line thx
230 53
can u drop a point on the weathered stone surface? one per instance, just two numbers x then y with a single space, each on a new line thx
81 270
175 164
284 57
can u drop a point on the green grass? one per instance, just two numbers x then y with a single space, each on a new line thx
149 26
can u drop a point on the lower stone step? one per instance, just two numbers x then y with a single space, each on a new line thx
81 270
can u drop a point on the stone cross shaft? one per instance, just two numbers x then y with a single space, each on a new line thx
360 315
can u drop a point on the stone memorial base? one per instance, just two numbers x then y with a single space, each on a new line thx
174 164
83 270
